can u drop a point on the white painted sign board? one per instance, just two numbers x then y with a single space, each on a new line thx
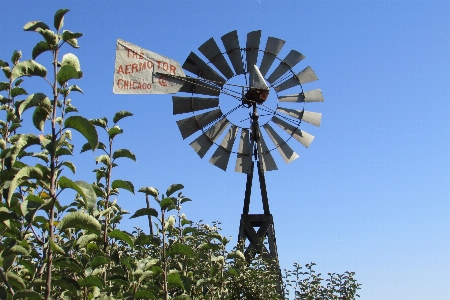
140 71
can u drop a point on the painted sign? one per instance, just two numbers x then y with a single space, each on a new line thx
140 71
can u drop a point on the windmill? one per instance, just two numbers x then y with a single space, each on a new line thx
230 98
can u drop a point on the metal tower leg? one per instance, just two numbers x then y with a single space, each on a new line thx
257 227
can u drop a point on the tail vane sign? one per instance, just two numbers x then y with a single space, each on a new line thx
140 71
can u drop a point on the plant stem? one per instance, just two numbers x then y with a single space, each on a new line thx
150 224
53 177
5 280
164 258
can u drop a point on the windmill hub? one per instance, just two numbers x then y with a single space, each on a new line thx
256 95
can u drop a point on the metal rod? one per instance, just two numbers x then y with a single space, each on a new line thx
248 190
262 185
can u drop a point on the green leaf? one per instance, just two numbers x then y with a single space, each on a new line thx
93 281
15 281
174 280
174 188
21 176
66 283
5 214
32 26
80 220
59 18
98 261
84 127
69 35
73 43
91 197
68 262
124 153
28 68
145 212
50 37
87 147
178 248
112 132
236 254
40 48
143 294
75 88
121 235
100 122
66 73
184 200
27 294
120 115
71 60
123 184
166 202
56 248
16 250
40 115
85 239
149 191
38 99
17 91
66 183
4 86
104 159
16 56
69 165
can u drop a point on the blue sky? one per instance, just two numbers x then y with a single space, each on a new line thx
371 193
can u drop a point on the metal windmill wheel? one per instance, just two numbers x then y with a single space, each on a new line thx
220 92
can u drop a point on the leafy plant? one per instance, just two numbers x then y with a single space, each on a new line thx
61 245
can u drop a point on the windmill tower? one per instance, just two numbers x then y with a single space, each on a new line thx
229 101
238 100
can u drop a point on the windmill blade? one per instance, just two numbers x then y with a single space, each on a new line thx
305 76
303 137
283 148
212 52
202 144
309 96
193 124
222 154
231 43
183 105
244 157
253 39
266 159
273 47
310 117
293 58
197 66
196 86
